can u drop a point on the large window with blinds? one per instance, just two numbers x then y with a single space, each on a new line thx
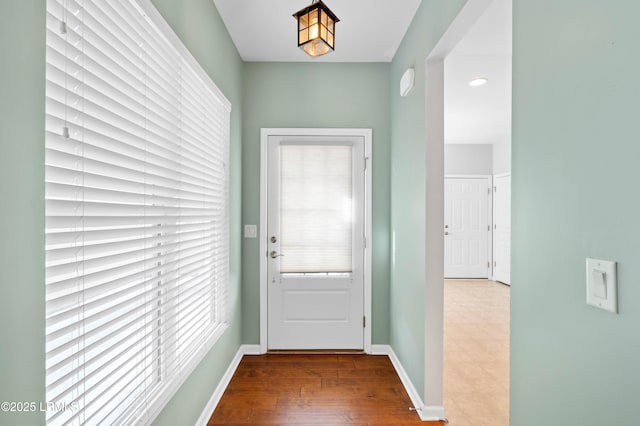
137 228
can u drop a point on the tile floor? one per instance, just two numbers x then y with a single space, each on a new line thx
476 353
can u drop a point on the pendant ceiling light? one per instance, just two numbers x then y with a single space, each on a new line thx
316 29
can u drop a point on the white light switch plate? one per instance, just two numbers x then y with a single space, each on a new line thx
602 285
251 231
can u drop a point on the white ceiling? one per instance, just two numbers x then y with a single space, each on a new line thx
481 114
371 31
368 31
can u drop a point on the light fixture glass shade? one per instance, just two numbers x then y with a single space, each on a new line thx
316 29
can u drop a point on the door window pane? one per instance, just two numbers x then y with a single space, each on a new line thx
316 208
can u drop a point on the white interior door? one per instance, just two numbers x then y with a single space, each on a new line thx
315 242
467 227
502 228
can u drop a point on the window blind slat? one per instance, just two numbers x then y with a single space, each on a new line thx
57 240
136 203
54 222
121 104
102 348
168 278
104 147
190 294
95 271
103 135
156 177
112 292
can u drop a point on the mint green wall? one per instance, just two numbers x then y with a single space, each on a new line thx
22 44
201 29
22 218
575 157
316 95
408 186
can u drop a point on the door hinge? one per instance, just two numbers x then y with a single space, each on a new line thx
495 189
488 227
365 241
364 322
366 160
489 191
495 264
488 264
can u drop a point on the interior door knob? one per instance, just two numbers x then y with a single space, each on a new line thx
446 233
274 254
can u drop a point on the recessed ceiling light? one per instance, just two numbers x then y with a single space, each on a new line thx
478 81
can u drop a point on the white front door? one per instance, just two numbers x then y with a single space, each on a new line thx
315 242
502 228
467 227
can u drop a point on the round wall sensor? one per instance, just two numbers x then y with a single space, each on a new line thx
407 81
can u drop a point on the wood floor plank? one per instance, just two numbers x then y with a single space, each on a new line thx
293 364
242 401
272 383
315 389
338 417
353 392
266 372
367 373
288 358
367 361
308 418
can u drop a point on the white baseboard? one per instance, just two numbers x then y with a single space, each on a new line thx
426 413
224 382
251 350
432 413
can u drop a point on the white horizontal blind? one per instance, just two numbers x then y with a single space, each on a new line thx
316 208
137 232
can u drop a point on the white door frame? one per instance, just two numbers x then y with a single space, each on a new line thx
265 133
498 176
489 179
433 408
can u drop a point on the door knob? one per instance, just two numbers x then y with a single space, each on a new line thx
274 239
446 233
274 254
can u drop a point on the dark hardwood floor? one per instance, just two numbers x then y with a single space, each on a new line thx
316 389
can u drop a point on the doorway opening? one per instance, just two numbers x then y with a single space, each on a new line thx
469 137
477 153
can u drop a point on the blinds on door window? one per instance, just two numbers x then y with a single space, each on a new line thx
316 208
137 231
